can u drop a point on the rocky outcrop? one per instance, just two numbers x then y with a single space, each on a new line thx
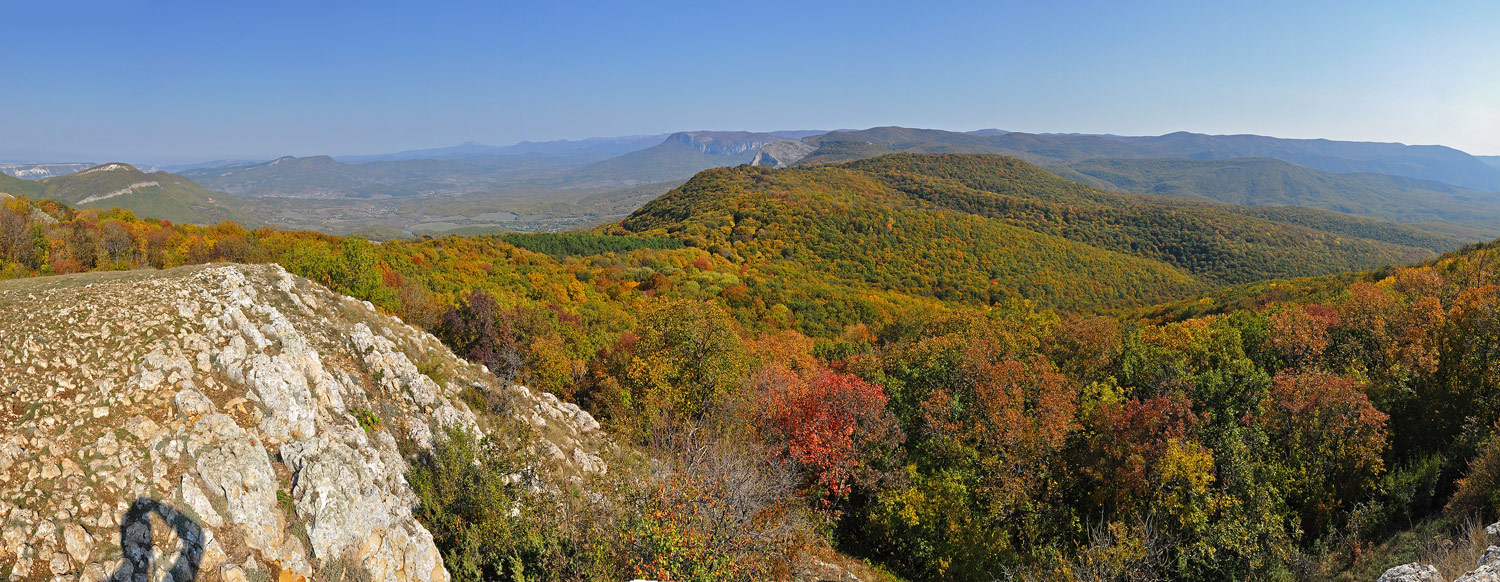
1486 568
1412 572
781 154
722 142
121 192
256 418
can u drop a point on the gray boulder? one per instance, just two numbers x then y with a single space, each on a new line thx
1412 572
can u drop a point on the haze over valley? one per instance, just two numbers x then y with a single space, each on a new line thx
553 186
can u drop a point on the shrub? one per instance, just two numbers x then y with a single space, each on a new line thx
1478 492
708 510
471 499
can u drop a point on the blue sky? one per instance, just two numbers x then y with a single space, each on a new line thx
148 81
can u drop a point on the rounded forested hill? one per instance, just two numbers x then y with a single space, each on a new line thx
837 223
983 228
157 195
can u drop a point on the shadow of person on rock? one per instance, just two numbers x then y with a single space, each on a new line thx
136 543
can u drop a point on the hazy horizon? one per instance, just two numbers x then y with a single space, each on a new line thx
170 82
190 160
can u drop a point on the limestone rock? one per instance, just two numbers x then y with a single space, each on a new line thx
1491 556
1412 572
237 470
1489 573
346 493
59 564
780 154
1486 568
232 573
197 500
94 572
192 403
143 428
223 399
78 543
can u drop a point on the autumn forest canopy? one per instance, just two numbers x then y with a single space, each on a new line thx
933 366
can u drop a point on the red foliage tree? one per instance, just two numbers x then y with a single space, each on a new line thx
1300 334
1129 439
1330 438
834 425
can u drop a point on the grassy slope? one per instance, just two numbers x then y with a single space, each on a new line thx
20 187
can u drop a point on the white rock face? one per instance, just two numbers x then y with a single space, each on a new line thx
1491 557
222 399
1486 569
121 192
1413 572
780 154
1490 573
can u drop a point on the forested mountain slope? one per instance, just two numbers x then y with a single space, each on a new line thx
851 226
19 186
158 194
949 226
1269 182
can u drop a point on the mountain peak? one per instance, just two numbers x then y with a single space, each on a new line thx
109 167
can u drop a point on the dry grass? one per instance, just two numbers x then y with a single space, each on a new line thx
1455 555
1451 547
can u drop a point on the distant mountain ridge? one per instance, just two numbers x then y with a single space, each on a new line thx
528 182
1437 163
595 147
640 159
156 195
592 163
1271 182
325 177
31 171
